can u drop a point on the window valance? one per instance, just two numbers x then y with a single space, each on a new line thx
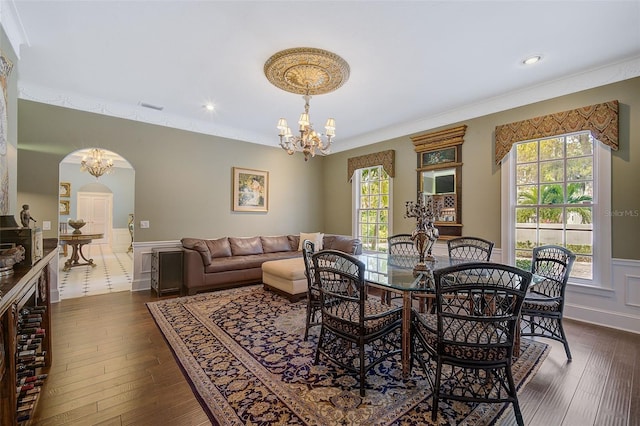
386 159
600 119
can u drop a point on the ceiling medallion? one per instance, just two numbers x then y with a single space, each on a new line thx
306 70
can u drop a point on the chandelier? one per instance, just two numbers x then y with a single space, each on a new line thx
96 163
307 71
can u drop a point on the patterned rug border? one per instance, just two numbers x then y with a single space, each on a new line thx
220 411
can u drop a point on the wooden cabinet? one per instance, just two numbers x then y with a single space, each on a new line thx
25 338
166 270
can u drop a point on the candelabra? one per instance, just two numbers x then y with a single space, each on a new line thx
425 210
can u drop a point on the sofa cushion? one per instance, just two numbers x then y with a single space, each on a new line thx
275 244
219 247
294 241
343 243
245 246
315 237
200 246
235 263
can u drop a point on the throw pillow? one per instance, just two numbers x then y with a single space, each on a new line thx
314 237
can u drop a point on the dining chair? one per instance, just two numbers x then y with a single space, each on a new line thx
472 349
463 249
543 307
402 252
357 332
401 245
313 290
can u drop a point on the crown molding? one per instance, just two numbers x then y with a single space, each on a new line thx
612 73
136 112
12 25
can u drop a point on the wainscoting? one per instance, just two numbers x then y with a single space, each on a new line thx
617 307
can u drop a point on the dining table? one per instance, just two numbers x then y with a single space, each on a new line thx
395 273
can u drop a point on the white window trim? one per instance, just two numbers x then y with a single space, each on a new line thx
355 191
602 277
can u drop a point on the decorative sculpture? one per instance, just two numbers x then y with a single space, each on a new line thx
425 210
25 216
130 226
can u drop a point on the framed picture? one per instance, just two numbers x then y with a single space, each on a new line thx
65 189
64 207
441 156
250 190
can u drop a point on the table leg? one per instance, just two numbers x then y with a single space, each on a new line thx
406 333
89 261
76 254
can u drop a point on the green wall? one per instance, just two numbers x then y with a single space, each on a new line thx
8 162
182 179
481 176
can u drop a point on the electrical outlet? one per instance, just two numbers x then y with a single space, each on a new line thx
46 225
144 224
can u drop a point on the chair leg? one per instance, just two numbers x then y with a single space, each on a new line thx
309 314
362 369
320 339
514 394
436 393
564 340
518 413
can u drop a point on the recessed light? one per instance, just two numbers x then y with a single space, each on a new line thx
532 60
209 106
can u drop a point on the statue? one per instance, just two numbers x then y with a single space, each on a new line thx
25 216
426 234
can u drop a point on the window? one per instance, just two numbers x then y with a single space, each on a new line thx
372 200
558 194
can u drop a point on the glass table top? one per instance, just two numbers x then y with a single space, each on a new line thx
396 271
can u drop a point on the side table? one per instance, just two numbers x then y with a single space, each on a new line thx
166 270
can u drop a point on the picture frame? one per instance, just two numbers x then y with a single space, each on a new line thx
65 189
64 207
440 156
250 190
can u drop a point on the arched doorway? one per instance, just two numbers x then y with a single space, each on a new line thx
106 204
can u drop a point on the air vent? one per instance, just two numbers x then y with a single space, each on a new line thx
150 106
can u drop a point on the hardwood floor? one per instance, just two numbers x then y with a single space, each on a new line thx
111 366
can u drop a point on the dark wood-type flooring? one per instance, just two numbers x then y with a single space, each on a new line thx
111 366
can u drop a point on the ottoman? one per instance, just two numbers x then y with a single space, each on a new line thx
285 277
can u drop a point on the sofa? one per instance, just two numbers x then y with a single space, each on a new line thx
216 264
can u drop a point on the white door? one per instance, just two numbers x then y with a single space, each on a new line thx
96 208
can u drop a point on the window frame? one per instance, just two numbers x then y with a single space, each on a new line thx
601 275
356 192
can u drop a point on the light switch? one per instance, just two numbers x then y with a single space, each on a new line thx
144 224
46 225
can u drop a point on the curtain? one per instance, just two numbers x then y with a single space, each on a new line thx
600 119
386 159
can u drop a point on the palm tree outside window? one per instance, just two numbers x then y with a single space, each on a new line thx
554 198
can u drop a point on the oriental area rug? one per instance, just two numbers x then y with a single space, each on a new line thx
244 354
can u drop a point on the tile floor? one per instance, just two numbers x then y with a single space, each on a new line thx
113 272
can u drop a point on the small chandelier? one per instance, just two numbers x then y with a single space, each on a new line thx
96 164
306 71
309 140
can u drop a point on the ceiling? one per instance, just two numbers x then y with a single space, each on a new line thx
415 65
